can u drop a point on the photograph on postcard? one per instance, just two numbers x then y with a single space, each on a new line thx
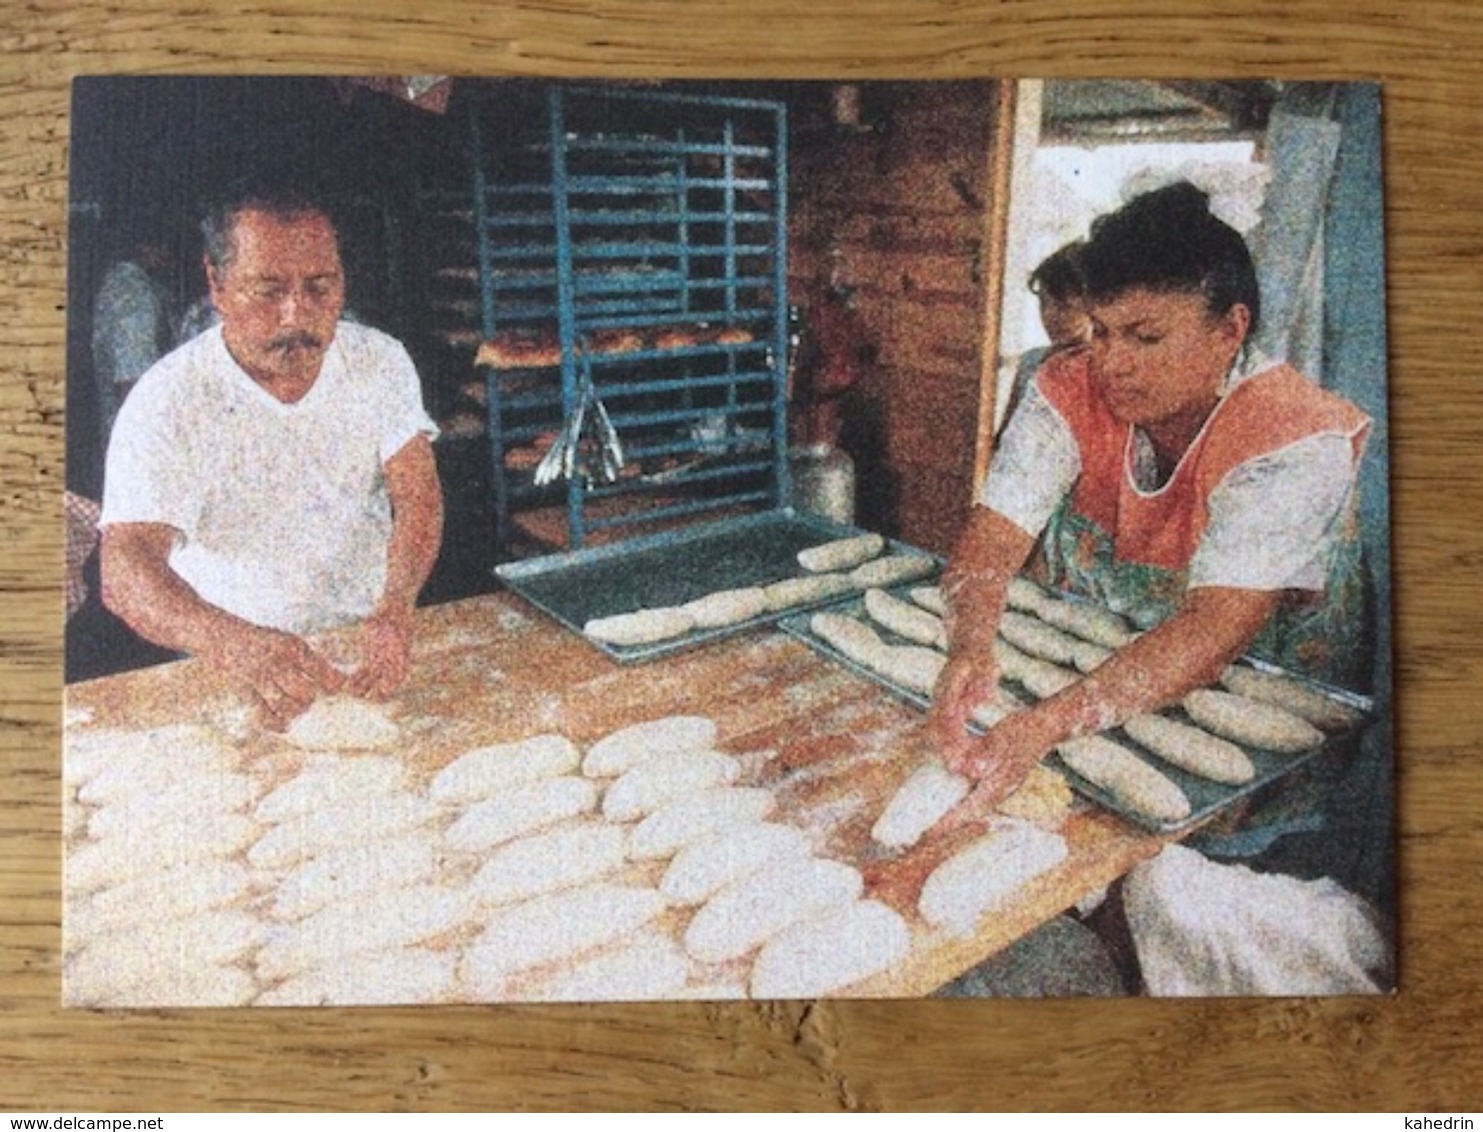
535 541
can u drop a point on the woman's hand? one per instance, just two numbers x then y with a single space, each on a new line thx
962 686
999 762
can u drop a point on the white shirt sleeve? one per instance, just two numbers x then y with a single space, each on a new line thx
1034 466
1274 520
148 474
402 413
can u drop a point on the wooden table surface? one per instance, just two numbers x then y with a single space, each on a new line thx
829 746
1420 1051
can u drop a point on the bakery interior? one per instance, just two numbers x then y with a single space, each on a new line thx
823 320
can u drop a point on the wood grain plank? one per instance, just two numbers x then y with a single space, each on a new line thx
1419 1051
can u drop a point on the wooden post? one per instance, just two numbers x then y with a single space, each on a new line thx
996 237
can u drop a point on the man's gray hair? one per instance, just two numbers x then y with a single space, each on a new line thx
219 225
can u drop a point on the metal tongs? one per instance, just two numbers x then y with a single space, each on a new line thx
564 459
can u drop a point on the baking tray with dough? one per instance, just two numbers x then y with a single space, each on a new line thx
673 568
1206 797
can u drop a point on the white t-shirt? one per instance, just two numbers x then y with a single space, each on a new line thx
1289 503
281 511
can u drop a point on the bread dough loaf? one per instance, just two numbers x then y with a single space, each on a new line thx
892 570
929 598
905 619
854 639
347 871
553 928
666 831
911 666
373 921
1191 749
1041 677
547 862
144 763
648 967
627 747
519 811
193 799
149 967
1251 723
1023 594
825 954
343 723
363 819
965 887
155 897
1324 712
653 784
921 802
793 592
841 554
1088 656
710 863
726 607
331 781
1126 777
747 913
94 865
407 975
162 986
485 771
1089 622
641 627
1033 636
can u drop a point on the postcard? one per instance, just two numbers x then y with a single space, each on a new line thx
569 541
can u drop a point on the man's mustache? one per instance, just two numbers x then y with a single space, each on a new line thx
298 339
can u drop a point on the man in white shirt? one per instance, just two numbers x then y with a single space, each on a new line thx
274 476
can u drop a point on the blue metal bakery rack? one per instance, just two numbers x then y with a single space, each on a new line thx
632 249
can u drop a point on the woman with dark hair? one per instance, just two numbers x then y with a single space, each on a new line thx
1060 290
1169 473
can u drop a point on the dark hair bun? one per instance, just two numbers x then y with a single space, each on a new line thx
1169 240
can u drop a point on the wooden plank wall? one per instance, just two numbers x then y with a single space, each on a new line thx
902 200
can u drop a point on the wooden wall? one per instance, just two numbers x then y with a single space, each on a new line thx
903 201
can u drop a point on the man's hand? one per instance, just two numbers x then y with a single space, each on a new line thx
962 686
385 655
280 673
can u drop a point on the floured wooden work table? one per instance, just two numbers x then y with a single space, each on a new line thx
829 746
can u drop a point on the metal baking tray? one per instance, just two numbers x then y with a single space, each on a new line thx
1206 798
672 568
796 624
